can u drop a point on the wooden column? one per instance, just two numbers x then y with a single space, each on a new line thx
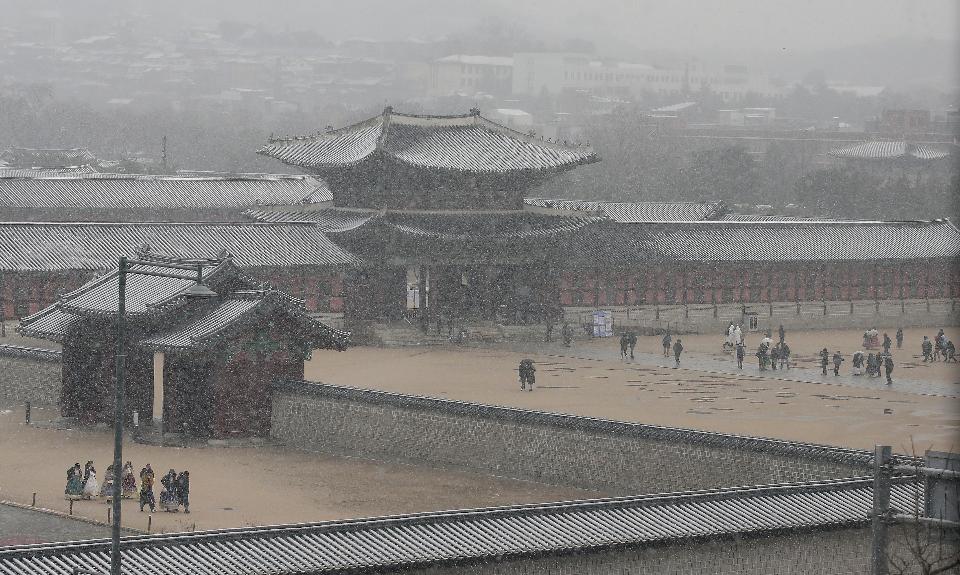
158 389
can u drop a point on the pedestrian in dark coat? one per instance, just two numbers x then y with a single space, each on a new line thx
624 345
677 350
782 333
888 364
527 374
887 342
632 341
146 489
927 348
837 360
183 490
784 356
774 356
667 340
741 351
899 337
824 360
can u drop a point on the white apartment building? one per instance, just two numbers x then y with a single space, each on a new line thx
535 73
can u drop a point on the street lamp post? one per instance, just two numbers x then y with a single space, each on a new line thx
195 291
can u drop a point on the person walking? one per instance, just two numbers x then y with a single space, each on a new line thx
146 488
782 333
632 341
950 352
837 360
183 488
667 340
774 356
677 350
527 374
927 348
624 345
888 366
741 351
549 335
566 334
824 360
784 356
887 342
762 356
899 337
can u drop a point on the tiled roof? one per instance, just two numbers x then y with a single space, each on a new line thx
51 324
447 225
96 246
10 172
630 212
462 537
328 220
237 308
146 294
795 240
489 226
47 157
467 143
880 150
99 190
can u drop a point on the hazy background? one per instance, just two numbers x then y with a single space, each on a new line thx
214 79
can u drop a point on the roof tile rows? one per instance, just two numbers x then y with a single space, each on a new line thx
794 240
238 307
631 212
466 143
99 190
96 246
370 545
881 150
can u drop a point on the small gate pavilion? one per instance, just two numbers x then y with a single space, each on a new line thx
204 367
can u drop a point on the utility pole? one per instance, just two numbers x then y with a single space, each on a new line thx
881 509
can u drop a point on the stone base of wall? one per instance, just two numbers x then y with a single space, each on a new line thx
611 456
706 318
28 374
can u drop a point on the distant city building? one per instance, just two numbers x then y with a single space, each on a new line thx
536 73
467 74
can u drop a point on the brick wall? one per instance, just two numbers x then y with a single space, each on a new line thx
616 457
830 552
28 374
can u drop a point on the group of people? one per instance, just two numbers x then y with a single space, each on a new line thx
769 355
176 490
939 349
872 362
628 341
82 483
677 347
527 374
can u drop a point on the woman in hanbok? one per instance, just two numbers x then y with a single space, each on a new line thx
128 481
106 488
74 488
92 487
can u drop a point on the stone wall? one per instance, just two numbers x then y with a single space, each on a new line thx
29 374
616 457
828 552
707 318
